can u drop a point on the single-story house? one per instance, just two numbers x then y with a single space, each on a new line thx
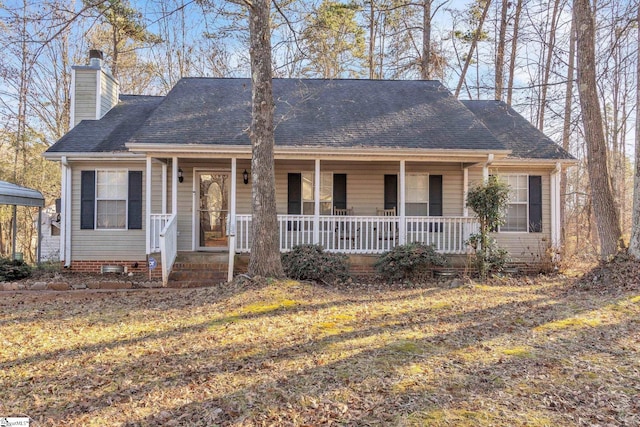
360 166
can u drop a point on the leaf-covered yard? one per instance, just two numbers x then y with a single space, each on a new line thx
516 352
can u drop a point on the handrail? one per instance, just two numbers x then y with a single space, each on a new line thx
168 247
157 224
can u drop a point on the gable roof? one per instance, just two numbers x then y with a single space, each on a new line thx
112 131
310 113
319 113
517 133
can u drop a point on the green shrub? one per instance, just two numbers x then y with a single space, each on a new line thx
11 270
490 259
489 203
406 262
311 262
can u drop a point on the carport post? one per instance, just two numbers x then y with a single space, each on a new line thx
14 233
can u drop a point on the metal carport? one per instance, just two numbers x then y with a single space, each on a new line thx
16 195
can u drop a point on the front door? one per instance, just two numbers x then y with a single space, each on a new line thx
213 209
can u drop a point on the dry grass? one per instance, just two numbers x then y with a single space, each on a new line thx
513 353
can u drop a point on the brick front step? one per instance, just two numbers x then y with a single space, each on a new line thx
198 275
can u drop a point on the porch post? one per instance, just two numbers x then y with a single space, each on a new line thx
148 205
316 207
174 185
67 179
402 227
231 227
164 187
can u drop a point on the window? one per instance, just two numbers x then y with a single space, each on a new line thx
308 193
111 199
517 218
417 194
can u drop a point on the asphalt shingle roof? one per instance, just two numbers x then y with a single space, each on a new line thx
520 136
314 113
320 113
112 131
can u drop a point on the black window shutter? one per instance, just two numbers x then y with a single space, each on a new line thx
294 198
391 192
135 200
87 199
340 190
294 194
435 195
535 204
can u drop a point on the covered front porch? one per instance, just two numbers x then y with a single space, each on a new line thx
347 206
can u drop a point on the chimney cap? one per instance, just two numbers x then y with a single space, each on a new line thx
96 53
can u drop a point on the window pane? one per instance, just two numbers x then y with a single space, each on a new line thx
516 218
417 188
326 187
307 208
111 184
325 208
111 214
307 186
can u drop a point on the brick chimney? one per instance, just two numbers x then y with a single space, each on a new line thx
94 91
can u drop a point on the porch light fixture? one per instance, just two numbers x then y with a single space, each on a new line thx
180 176
245 177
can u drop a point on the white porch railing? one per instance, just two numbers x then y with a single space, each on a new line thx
158 222
168 247
365 234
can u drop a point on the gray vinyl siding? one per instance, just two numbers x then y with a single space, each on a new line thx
523 246
105 245
85 95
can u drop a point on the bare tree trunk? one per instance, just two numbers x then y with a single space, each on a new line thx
425 72
634 245
372 39
500 50
265 250
547 66
474 42
514 49
606 216
566 128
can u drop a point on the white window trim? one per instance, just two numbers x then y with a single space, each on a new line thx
126 200
526 176
428 202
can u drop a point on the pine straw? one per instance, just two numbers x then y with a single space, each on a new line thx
513 352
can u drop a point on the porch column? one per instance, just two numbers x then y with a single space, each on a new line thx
402 227
316 207
147 177
555 206
231 226
174 185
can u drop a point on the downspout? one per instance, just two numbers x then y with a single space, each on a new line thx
65 240
555 206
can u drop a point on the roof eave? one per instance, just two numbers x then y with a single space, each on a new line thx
295 152
116 155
